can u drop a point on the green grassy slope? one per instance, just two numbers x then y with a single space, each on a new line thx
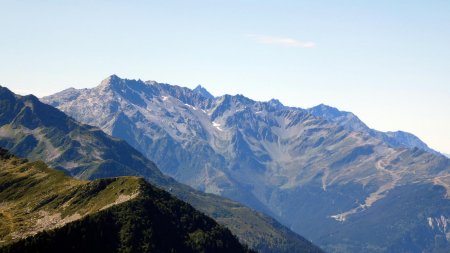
56 213
34 197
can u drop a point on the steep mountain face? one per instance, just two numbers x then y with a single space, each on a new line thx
322 172
107 215
39 131
31 129
352 122
202 91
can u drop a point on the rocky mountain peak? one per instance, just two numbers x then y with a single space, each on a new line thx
116 83
110 80
325 111
275 103
151 82
408 139
202 91
5 92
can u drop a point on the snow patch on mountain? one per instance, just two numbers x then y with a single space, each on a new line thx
440 224
217 125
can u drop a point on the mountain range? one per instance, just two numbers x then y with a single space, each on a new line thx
350 121
319 171
37 131
44 210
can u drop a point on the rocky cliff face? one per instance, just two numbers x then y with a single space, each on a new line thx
41 132
320 171
350 121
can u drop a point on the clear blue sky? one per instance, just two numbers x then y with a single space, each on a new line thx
386 61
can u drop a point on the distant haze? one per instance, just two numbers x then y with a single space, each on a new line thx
385 61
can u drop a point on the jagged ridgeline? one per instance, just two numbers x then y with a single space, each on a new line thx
44 210
320 171
37 131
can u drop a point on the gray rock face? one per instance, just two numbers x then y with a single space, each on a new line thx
38 131
321 172
202 91
352 122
